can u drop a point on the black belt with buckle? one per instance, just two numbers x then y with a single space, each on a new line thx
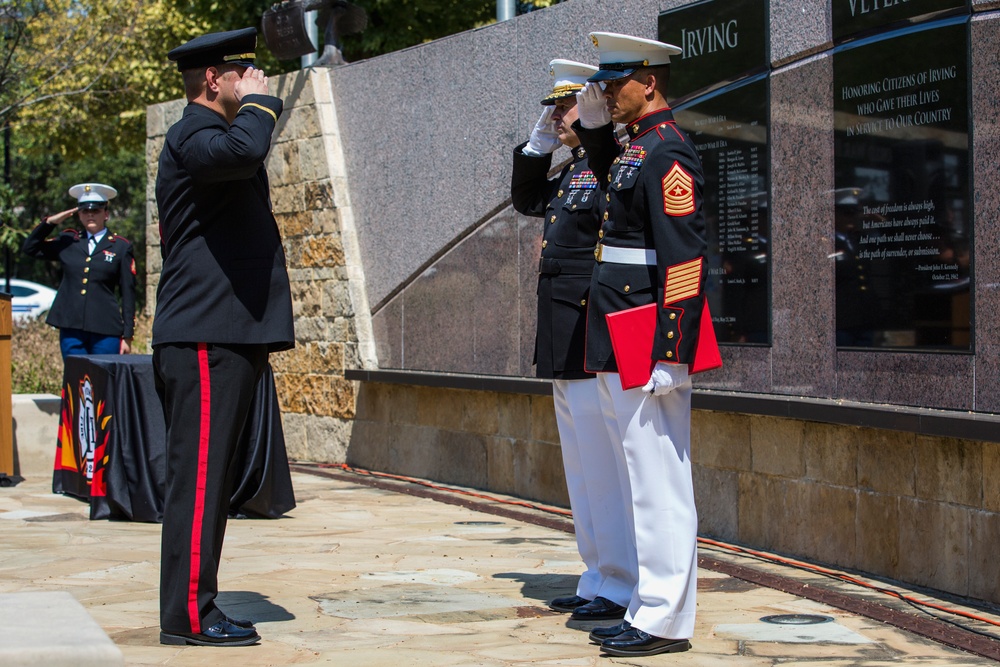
551 266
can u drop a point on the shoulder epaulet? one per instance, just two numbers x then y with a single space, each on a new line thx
75 233
116 237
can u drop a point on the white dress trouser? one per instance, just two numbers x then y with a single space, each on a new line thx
597 483
653 434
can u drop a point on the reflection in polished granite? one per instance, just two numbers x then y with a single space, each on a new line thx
387 327
461 315
530 249
426 165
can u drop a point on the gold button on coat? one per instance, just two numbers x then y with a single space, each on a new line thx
83 291
545 244
670 334
627 288
583 302
670 355
552 219
673 316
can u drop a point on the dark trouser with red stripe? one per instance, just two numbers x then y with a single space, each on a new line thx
206 390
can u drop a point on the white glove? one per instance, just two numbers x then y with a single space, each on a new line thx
544 138
592 107
666 377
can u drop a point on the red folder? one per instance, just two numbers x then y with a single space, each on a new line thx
632 333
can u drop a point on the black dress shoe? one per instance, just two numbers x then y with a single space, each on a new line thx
635 642
568 603
599 610
241 623
222 633
601 635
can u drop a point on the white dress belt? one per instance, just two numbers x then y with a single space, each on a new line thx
616 255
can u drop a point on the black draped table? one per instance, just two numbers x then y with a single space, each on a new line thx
111 449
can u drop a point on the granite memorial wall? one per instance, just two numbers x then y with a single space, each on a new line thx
785 107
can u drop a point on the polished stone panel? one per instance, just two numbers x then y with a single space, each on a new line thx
461 314
798 29
937 380
387 326
743 369
802 296
986 157
529 235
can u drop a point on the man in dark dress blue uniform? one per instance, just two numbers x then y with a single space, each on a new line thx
652 250
95 264
570 208
223 303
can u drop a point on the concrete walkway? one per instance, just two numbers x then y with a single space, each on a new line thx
365 576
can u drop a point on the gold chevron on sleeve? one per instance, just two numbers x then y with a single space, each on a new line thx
683 281
678 192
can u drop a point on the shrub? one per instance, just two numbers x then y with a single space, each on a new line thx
36 364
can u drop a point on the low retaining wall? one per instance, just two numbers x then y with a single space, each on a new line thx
36 425
918 508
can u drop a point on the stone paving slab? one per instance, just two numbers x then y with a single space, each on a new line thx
52 629
366 576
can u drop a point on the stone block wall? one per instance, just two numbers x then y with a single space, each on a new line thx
920 509
501 442
917 508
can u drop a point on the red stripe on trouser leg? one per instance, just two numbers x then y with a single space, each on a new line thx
204 429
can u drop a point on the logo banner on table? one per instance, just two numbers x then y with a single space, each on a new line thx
84 429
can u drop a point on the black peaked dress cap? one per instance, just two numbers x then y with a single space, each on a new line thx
217 48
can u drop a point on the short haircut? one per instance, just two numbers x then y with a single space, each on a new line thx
662 74
194 81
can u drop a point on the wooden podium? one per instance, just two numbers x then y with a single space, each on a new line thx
6 418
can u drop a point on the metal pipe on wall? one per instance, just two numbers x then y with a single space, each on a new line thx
505 10
313 31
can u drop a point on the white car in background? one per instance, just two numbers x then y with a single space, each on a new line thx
28 300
